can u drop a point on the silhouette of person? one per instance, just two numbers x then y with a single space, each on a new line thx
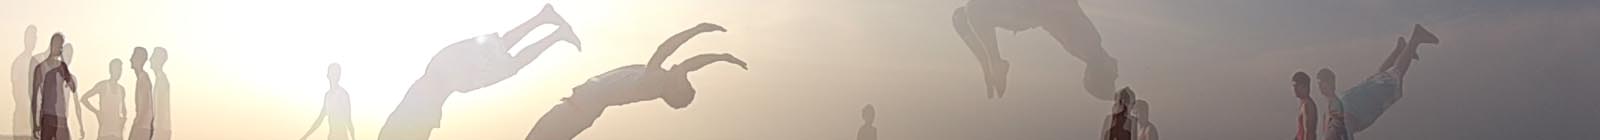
626 85
50 77
335 107
1307 129
21 80
1147 129
162 91
1065 21
111 113
466 66
1119 125
1364 103
867 132
1336 129
144 103
66 57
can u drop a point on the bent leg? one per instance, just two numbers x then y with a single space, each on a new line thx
564 122
980 39
546 16
1080 38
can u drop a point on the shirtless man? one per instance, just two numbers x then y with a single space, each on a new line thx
144 103
21 75
1336 129
1147 129
50 77
162 90
1065 21
867 131
1307 129
627 85
335 107
465 66
1119 125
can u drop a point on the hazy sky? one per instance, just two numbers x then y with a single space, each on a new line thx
1216 69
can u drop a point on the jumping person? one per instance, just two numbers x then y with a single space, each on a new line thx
627 85
1065 21
465 66
1368 100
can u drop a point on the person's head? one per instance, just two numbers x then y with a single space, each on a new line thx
1125 97
869 114
676 89
1302 85
1325 79
158 58
29 37
56 41
66 53
116 69
333 73
1141 108
138 58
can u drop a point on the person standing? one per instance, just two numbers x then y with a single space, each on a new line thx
144 109
21 77
335 107
1307 129
111 112
162 91
867 131
50 77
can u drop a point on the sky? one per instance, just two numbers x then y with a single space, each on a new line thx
1214 69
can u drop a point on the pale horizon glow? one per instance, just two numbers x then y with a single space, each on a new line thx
1211 69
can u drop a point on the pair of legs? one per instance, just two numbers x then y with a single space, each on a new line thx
492 63
1069 26
54 127
1364 103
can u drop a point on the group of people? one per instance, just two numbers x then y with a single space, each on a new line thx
1065 20
51 85
1130 119
482 61
1360 106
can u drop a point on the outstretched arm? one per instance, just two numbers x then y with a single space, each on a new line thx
672 44
700 61
315 124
